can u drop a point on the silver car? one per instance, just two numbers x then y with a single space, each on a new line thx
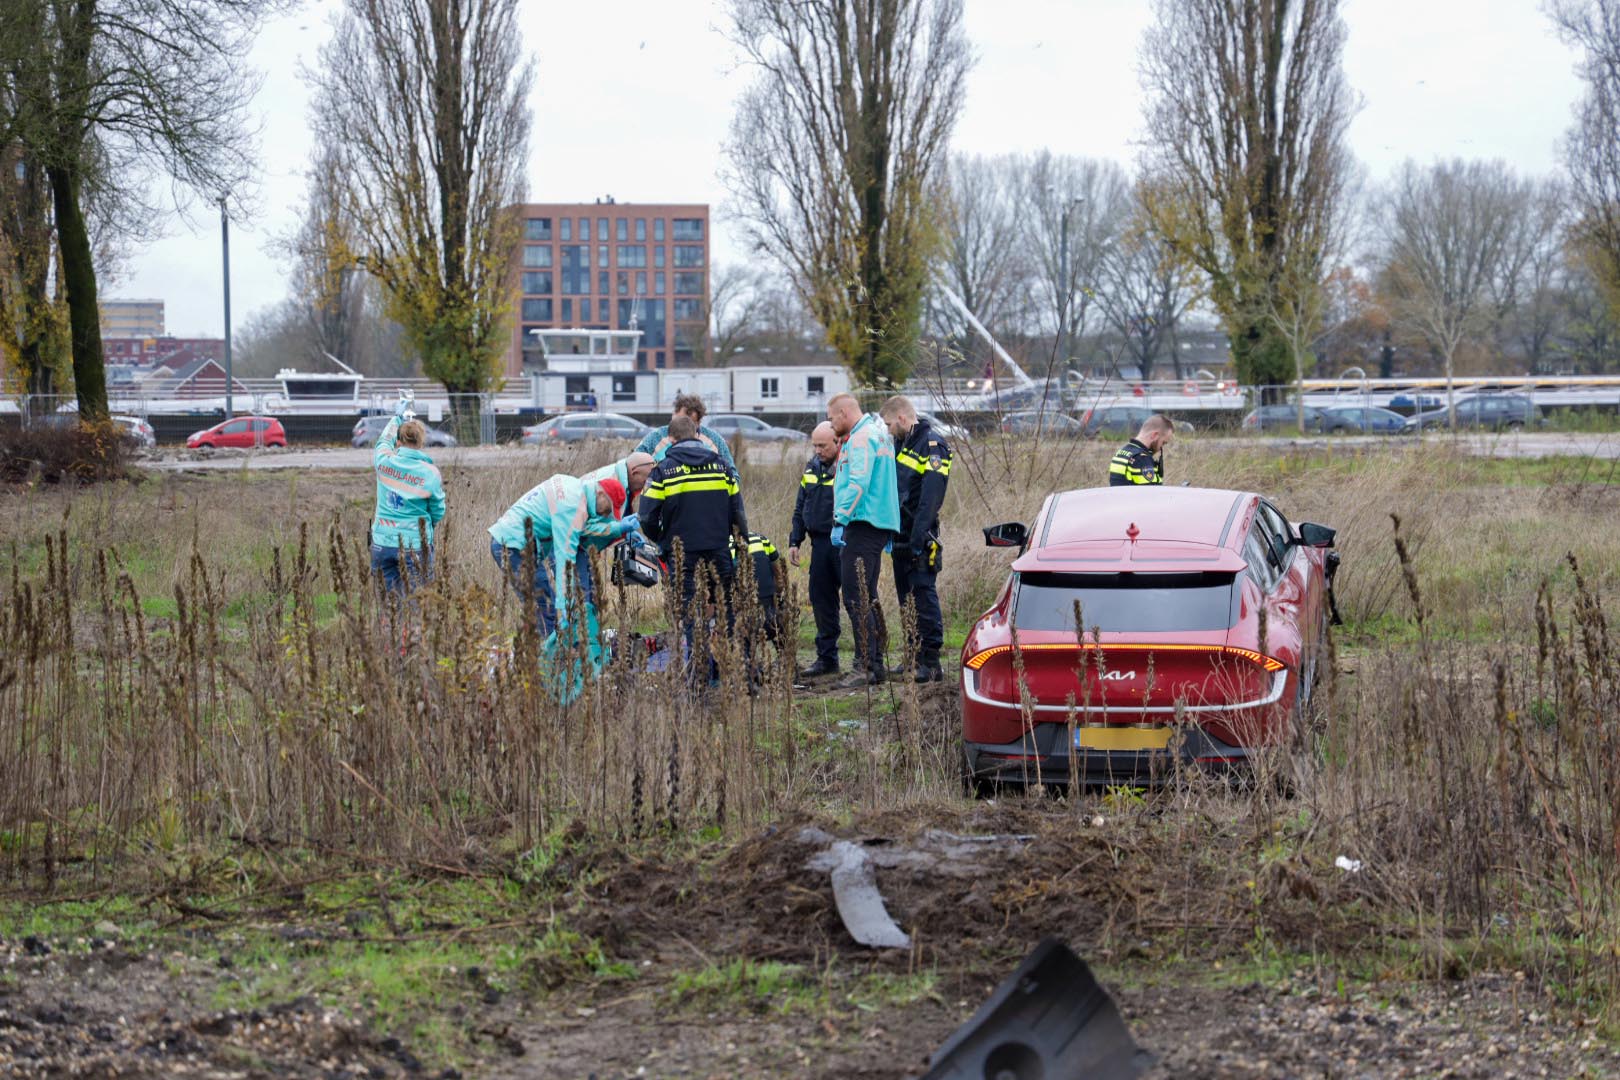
751 428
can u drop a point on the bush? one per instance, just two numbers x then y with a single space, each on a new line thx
52 453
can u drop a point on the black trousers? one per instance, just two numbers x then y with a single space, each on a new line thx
824 578
913 582
706 578
862 559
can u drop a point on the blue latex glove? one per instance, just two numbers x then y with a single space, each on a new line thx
837 536
888 549
637 539
632 522
401 408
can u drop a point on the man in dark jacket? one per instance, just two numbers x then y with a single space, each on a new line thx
813 518
922 461
690 507
1141 461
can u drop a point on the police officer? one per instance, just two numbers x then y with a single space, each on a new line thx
813 518
1141 461
692 499
866 513
922 469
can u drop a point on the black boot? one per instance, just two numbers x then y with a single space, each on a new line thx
817 670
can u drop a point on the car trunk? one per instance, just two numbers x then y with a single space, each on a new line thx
1154 646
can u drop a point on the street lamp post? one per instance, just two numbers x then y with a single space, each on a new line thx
225 256
1066 292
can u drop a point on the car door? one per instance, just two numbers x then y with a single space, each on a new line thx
1290 628
236 433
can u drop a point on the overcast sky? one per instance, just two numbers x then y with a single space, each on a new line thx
633 98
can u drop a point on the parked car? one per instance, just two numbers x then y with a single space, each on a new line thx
578 427
244 432
368 428
751 428
1494 412
1369 420
952 433
1281 418
136 431
1411 402
1123 421
1210 611
1043 423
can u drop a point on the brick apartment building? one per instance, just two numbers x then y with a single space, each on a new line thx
157 349
598 265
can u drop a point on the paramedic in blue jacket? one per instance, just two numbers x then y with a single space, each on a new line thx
658 441
866 513
410 503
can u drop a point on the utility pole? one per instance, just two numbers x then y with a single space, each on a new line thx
1065 293
225 252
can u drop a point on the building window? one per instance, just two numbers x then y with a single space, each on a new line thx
686 229
770 387
658 283
632 257
565 228
585 230
813 384
622 229
601 256
658 256
624 388
537 255
537 310
602 283
649 320
658 229
641 230
688 255
601 228
658 358
624 282
567 308
576 269
688 310
537 228
688 284
537 281
602 310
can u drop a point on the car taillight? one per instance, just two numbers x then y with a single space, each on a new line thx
1269 663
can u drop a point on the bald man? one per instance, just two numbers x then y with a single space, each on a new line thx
1140 462
813 518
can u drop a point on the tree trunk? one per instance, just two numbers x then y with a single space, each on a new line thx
79 281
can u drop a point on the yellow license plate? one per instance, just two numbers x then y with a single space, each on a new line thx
1122 738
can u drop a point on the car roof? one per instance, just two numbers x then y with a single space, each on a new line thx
1194 526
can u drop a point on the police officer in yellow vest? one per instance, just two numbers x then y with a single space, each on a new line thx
813 520
1141 461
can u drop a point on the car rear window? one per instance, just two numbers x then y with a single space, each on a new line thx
1126 602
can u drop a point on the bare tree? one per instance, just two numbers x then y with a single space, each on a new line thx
736 302
1591 148
985 260
835 151
1073 209
111 92
425 104
1145 288
1450 231
1247 114
1525 292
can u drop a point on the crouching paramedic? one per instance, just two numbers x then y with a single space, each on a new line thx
410 502
813 518
690 508
764 560
551 524
922 469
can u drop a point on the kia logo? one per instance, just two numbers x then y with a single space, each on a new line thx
1119 676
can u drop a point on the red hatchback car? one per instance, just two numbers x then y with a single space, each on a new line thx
246 432
1205 613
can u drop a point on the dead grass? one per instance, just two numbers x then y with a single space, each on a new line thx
200 662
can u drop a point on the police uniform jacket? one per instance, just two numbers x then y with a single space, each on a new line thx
765 556
813 509
1133 464
691 496
922 469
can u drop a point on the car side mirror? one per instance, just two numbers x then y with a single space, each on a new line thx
1316 536
1008 534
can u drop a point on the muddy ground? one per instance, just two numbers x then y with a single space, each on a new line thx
1196 992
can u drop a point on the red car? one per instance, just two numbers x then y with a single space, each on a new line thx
1205 615
247 432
